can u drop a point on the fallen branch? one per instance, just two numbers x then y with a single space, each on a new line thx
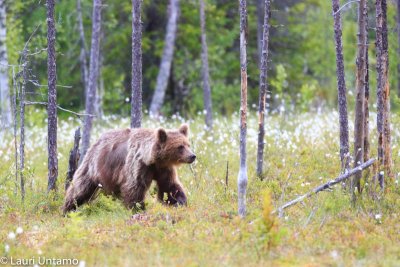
327 185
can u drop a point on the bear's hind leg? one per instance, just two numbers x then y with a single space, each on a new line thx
78 194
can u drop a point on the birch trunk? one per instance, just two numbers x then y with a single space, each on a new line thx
5 100
263 88
242 176
360 93
83 54
383 92
205 69
166 60
93 75
136 98
341 84
52 97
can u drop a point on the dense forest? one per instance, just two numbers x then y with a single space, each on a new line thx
301 63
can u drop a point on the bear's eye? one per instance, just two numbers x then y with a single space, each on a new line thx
181 148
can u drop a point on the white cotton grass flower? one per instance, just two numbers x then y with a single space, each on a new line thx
378 216
11 235
19 230
6 248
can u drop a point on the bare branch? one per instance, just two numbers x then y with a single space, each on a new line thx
348 3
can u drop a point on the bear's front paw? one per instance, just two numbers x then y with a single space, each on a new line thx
177 198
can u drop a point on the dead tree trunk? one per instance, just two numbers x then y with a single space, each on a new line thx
263 88
5 100
22 122
166 60
260 29
15 123
341 83
366 105
360 94
93 75
52 97
136 98
398 48
242 176
205 69
383 92
83 54
74 156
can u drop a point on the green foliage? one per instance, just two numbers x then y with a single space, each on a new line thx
301 46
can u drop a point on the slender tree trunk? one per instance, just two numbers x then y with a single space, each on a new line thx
22 123
15 123
83 55
383 91
260 29
263 88
366 105
360 94
98 102
398 47
205 69
136 98
5 100
93 75
52 97
341 83
242 176
166 60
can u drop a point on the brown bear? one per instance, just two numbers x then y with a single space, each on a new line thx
125 162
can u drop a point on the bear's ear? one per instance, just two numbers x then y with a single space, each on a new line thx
161 135
184 129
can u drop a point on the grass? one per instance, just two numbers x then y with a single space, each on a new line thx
301 152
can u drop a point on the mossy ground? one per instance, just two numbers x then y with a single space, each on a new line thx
301 152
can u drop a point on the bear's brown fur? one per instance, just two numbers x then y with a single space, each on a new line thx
125 162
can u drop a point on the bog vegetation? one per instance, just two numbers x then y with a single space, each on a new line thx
301 153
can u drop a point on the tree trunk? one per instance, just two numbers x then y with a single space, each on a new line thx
398 48
93 75
83 54
166 60
260 29
5 100
52 97
242 176
205 70
383 92
366 104
98 102
136 98
22 122
341 83
360 93
263 88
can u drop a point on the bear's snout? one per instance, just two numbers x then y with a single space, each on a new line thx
192 158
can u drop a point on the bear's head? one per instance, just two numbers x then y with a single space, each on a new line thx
173 146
